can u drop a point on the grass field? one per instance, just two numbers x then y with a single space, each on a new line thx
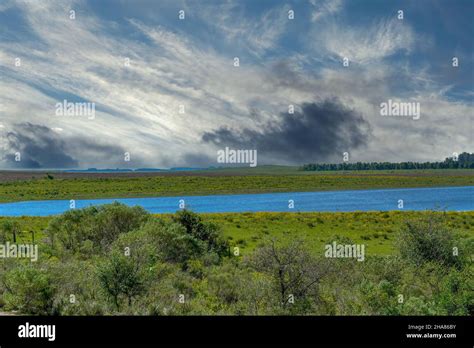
248 230
17 186
376 230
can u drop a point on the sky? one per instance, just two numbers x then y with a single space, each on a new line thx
167 92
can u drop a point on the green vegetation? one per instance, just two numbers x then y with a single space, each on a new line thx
464 161
217 182
115 259
378 230
248 230
9 228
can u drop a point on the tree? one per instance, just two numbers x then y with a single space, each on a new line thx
293 270
428 240
120 276
175 245
28 290
10 229
207 232
464 160
114 219
100 225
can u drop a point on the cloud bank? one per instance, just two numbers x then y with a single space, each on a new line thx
320 131
167 91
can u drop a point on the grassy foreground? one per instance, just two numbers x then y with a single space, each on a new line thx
232 181
376 230
116 260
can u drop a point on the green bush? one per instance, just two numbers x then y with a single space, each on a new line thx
457 293
174 243
9 230
295 274
428 240
100 225
77 290
120 276
207 232
28 289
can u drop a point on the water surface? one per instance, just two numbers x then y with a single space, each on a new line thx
444 198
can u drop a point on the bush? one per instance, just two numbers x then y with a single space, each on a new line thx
378 298
207 232
174 243
100 225
9 230
180 241
28 290
457 293
113 219
428 240
119 277
293 271
77 291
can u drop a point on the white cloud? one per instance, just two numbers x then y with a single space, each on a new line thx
325 8
78 57
138 106
255 33
6 4
368 43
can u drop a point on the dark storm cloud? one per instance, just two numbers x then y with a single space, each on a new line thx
321 131
40 147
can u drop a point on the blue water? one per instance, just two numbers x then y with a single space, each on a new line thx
439 198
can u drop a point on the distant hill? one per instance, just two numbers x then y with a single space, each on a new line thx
128 170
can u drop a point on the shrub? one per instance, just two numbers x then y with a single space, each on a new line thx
293 272
457 293
428 240
9 230
174 244
100 225
77 291
207 232
120 276
28 290
114 219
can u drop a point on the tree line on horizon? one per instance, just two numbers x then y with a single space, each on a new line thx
464 161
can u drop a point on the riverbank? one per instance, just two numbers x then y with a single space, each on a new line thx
247 230
51 186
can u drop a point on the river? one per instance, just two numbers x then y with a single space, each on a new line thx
432 198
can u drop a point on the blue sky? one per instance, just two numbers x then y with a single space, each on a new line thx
188 65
